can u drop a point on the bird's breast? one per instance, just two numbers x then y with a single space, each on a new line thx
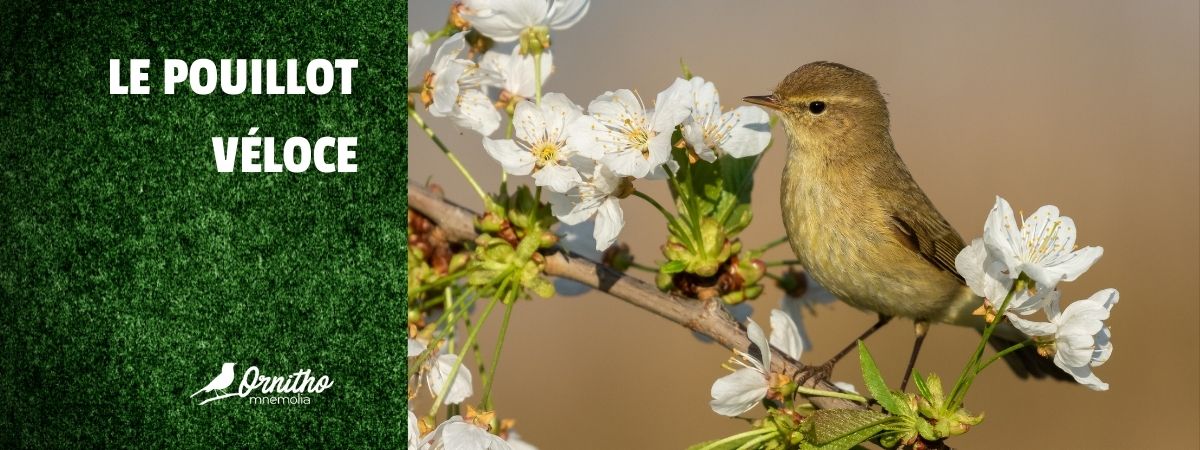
837 226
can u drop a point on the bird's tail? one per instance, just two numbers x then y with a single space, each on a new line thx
197 393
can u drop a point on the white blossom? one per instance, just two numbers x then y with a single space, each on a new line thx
598 195
517 71
746 387
505 20
846 387
1076 336
458 89
739 133
438 374
457 434
542 144
814 294
988 277
1042 247
414 431
418 48
634 141
515 441
577 238
415 347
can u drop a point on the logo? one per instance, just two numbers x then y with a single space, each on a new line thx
298 384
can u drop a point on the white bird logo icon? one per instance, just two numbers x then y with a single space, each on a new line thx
221 382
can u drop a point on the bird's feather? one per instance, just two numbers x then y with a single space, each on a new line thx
929 236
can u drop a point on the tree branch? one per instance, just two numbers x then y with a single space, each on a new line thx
704 317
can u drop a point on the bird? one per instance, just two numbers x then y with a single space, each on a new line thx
221 382
857 220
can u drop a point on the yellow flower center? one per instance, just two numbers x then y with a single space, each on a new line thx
1041 243
1045 346
640 139
546 153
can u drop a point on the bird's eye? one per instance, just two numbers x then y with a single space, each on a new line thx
816 107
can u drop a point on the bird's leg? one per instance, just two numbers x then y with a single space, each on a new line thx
921 327
824 371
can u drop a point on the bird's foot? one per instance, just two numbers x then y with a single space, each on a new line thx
818 374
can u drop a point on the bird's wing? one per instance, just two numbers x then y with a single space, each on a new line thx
929 235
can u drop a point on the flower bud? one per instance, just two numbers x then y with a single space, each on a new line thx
535 40
489 223
618 257
458 261
478 43
664 281
456 18
794 283
548 239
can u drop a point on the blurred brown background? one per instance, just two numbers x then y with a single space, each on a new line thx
1091 107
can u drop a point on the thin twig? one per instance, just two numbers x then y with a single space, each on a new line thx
705 317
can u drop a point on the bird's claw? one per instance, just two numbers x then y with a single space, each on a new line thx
819 373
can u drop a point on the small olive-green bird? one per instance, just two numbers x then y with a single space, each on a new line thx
858 222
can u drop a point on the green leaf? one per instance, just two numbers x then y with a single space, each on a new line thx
830 425
921 386
926 430
730 445
673 267
875 383
936 394
849 441
738 175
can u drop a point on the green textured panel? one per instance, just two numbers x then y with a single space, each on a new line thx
130 269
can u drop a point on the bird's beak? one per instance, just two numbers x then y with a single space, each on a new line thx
769 101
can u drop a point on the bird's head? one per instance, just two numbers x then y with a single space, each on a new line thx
227 365
824 102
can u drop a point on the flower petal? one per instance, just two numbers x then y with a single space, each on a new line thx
515 441
557 178
558 112
418 48
672 106
587 136
415 348
759 339
514 159
448 52
750 134
566 13
439 374
629 163
693 133
737 392
567 210
467 436
1076 263
446 89
785 334
1031 328
1104 348
414 431
476 112
1002 236
609 221
970 265
1085 376
706 101
502 20
1073 350
529 124
846 387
